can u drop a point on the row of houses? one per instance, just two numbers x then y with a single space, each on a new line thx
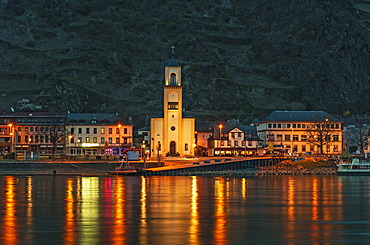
64 133
282 132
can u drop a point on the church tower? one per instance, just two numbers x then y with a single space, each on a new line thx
172 135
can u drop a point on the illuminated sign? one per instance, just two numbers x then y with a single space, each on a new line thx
90 144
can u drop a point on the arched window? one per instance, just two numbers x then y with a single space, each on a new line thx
173 79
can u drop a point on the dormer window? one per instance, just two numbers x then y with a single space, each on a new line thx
173 79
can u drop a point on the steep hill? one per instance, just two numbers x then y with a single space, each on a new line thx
239 58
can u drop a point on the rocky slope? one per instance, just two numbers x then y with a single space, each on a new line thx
240 58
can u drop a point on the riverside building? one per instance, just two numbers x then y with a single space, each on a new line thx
298 132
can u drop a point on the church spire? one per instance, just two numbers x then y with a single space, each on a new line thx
173 61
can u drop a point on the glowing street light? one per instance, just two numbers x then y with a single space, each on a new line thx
220 127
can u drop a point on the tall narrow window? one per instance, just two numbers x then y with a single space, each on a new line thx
173 79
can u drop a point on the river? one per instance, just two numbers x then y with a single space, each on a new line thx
185 210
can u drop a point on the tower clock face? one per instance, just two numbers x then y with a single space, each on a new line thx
173 128
173 96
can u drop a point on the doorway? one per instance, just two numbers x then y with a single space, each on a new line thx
173 148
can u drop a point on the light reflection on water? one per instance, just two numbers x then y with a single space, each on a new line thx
184 210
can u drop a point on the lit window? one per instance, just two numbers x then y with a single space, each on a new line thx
110 130
102 130
87 139
173 79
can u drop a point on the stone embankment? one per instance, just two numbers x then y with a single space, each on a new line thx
289 168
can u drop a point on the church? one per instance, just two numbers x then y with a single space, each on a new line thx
174 133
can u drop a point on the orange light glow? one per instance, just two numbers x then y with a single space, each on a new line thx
220 215
119 228
10 218
69 234
220 126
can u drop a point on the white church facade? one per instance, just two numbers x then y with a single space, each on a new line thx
173 134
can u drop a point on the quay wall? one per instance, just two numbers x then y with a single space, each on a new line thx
227 167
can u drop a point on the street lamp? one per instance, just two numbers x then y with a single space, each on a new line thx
11 136
220 127
119 142
69 147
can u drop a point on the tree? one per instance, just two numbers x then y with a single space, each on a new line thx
56 134
358 136
320 133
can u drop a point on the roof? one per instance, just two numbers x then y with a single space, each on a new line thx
299 116
173 61
204 126
99 118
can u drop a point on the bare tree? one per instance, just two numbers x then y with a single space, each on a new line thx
358 136
320 133
56 134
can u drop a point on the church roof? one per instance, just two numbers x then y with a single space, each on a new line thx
173 61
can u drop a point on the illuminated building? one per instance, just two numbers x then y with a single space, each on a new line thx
235 139
97 134
291 132
79 133
172 134
29 131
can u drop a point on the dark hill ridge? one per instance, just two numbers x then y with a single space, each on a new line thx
240 58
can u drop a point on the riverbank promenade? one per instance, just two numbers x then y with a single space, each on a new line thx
169 165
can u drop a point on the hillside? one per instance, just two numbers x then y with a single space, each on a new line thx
239 58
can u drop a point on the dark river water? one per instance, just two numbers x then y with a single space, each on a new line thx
185 210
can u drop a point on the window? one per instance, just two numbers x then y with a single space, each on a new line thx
279 137
125 140
19 139
173 106
279 125
87 130
36 129
288 125
95 130
117 140
72 130
102 130
287 137
303 125
298 125
125 130
243 143
79 130
117 130
335 137
110 131
87 139
294 125
229 142
110 140
295 137
26 139
95 140
239 134
274 125
235 143
102 140
173 79
303 137
269 125
72 140
186 147
31 129
79 139
303 148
